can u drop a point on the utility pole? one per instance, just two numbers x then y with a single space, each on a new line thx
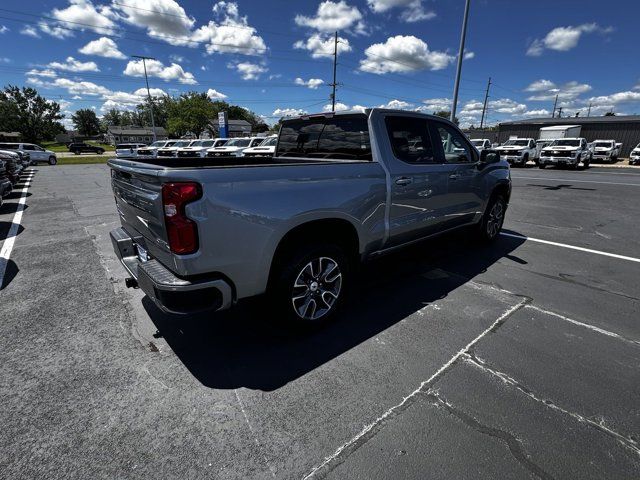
589 111
559 112
553 115
484 107
335 63
463 36
144 65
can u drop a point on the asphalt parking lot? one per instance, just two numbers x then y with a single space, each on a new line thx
452 360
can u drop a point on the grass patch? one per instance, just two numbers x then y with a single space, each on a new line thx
79 160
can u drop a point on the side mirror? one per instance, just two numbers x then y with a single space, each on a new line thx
489 156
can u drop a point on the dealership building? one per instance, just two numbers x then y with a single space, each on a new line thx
624 128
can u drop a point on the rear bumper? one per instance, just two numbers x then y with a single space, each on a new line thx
170 293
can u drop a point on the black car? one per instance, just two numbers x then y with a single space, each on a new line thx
81 147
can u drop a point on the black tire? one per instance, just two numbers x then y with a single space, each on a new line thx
541 165
76 152
100 151
525 159
53 160
308 273
488 230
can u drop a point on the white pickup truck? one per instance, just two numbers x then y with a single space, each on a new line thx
634 158
481 143
606 150
566 152
518 151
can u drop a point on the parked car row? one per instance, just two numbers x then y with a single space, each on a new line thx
35 153
217 147
12 165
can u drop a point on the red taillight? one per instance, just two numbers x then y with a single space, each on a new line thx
182 232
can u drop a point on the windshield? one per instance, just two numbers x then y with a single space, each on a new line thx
603 144
196 143
520 143
183 143
477 143
238 142
566 143
158 144
270 142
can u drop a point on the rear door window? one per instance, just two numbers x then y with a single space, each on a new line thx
410 139
343 137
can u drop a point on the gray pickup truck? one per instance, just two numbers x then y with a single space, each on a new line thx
200 234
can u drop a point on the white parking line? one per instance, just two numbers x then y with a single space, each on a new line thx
576 181
7 246
573 247
424 386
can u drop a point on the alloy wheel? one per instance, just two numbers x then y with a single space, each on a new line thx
496 217
316 288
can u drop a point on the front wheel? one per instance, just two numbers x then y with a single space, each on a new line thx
493 218
53 160
311 284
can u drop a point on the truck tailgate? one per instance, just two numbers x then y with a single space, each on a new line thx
138 195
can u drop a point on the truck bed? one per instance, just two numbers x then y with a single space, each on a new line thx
225 162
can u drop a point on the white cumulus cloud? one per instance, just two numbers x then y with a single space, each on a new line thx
29 31
403 54
288 112
156 68
103 47
412 10
215 95
562 39
80 15
340 107
73 65
544 90
248 70
323 45
312 83
332 16
163 19
229 33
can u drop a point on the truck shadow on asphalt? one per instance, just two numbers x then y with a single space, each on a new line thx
247 347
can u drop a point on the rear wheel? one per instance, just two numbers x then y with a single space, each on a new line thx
53 160
493 218
311 283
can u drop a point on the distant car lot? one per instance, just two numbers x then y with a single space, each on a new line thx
513 361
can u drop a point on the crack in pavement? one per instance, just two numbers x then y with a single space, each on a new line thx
370 430
513 443
627 442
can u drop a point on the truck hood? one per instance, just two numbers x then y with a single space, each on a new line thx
191 149
559 148
271 149
225 149
509 147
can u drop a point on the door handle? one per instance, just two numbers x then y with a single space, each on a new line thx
454 176
402 181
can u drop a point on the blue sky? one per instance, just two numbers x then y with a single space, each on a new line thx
273 56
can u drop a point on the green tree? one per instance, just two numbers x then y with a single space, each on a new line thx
86 122
24 110
161 106
446 114
191 112
112 118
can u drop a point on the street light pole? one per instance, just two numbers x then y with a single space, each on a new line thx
146 79
463 37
